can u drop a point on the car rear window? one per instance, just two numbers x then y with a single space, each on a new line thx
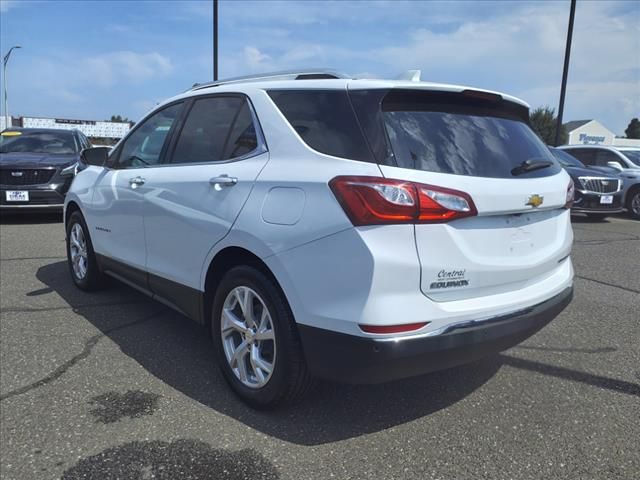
460 134
324 120
54 143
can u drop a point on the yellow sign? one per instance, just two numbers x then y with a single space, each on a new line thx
535 200
11 134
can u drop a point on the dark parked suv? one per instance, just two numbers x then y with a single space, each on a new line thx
597 194
622 161
31 165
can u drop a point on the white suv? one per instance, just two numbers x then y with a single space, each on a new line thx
321 226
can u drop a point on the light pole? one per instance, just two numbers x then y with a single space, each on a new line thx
215 40
4 67
565 71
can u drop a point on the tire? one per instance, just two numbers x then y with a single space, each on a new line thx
289 378
633 203
598 217
93 278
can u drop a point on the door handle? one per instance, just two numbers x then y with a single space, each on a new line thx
223 181
136 181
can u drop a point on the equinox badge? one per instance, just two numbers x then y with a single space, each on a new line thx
535 200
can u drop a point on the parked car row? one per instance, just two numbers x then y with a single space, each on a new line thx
38 165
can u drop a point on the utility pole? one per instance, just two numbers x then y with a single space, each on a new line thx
4 67
215 40
565 71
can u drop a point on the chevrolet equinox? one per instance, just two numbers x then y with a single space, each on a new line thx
322 226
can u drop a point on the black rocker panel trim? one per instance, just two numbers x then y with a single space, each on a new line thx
186 300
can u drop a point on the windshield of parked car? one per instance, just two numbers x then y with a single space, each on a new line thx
633 155
55 143
566 159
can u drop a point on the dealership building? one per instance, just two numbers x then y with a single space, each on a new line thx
592 132
94 129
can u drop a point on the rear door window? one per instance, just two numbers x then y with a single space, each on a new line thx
453 134
216 129
242 138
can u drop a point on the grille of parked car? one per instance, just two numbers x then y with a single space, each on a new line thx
25 176
600 185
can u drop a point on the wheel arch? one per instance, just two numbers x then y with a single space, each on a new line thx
633 189
70 208
222 262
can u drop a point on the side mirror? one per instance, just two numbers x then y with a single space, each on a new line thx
95 155
615 165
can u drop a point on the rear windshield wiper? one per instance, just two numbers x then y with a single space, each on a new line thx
530 165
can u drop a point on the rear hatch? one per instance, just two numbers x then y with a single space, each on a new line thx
516 232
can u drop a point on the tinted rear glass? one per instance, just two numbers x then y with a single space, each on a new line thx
324 120
206 130
462 136
55 143
242 137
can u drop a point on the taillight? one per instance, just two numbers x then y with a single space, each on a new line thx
378 201
571 191
407 327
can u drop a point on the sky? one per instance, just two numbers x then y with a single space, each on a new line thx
93 59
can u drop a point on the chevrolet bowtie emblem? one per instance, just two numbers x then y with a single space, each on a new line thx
535 200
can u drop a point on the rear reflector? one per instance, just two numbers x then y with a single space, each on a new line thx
407 327
380 201
571 191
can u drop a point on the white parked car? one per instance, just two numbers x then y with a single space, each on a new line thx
322 226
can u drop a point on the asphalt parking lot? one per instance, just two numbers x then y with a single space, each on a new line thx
113 385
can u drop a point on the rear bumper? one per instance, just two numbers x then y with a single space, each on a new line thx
353 359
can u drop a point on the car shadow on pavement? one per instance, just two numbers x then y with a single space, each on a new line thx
179 352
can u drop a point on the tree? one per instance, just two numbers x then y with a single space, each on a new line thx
118 118
543 121
633 130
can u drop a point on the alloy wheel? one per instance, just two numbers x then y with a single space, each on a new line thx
78 251
248 337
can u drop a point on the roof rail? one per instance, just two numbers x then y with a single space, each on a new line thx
313 74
